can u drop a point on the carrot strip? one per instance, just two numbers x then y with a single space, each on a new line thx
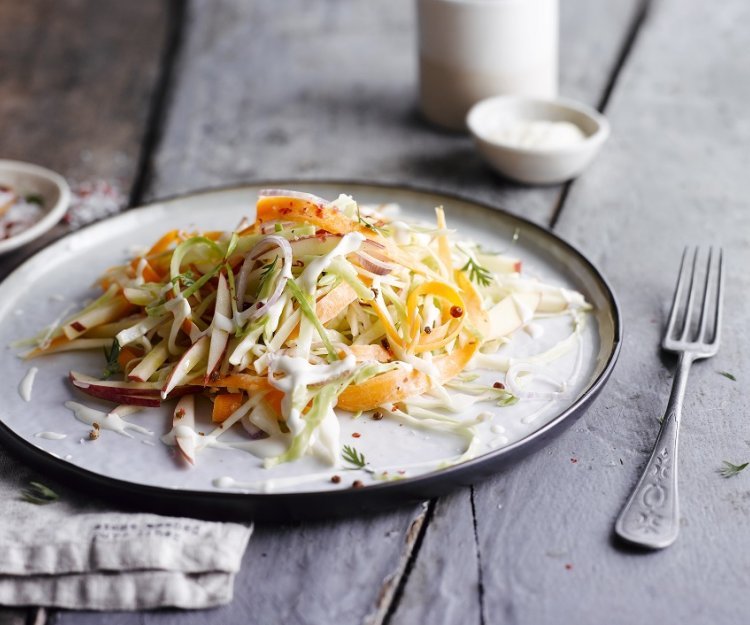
474 306
126 355
297 210
368 352
399 384
444 291
226 404
241 381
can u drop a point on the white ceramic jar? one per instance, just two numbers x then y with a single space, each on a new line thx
472 49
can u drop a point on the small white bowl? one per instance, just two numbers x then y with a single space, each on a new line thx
29 179
536 165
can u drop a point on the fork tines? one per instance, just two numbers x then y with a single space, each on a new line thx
687 331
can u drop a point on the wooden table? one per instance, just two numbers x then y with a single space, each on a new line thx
162 98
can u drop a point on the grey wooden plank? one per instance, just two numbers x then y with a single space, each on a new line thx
674 173
320 90
63 104
444 587
592 37
64 107
335 572
9 616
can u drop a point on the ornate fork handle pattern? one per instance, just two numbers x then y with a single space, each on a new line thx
650 518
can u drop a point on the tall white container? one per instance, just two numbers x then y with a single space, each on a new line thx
472 49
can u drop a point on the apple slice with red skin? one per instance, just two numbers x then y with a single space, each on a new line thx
507 315
133 393
183 423
190 359
219 336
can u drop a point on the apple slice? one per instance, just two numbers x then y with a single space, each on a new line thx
83 381
219 325
190 359
499 263
150 363
105 313
511 313
183 424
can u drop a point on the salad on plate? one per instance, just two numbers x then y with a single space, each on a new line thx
316 312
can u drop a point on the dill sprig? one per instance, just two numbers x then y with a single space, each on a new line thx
113 366
266 274
368 224
352 456
729 469
727 375
39 494
477 273
186 278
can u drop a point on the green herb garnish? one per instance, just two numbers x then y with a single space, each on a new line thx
367 224
186 278
729 469
266 275
113 366
728 375
352 456
39 494
35 198
477 273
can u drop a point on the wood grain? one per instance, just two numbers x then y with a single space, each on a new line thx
328 89
77 79
63 105
593 36
323 90
674 173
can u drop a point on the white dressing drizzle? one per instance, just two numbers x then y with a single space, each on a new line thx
27 384
51 436
106 421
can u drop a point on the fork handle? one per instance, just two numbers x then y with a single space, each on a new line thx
650 518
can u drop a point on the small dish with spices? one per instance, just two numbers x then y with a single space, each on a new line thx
32 200
537 141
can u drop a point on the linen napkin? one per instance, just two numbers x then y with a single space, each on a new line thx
74 552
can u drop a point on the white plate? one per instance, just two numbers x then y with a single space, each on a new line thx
29 179
60 276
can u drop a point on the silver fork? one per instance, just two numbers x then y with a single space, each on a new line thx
650 518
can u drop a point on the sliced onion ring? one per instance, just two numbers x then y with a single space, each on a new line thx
511 383
373 265
263 246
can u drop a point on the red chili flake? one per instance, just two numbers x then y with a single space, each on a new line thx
179 413
401 472
456 312
574 460
78 326
336 479
568 567
377 415
499 385
357 484
285 211
427 330
356 435
386 345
